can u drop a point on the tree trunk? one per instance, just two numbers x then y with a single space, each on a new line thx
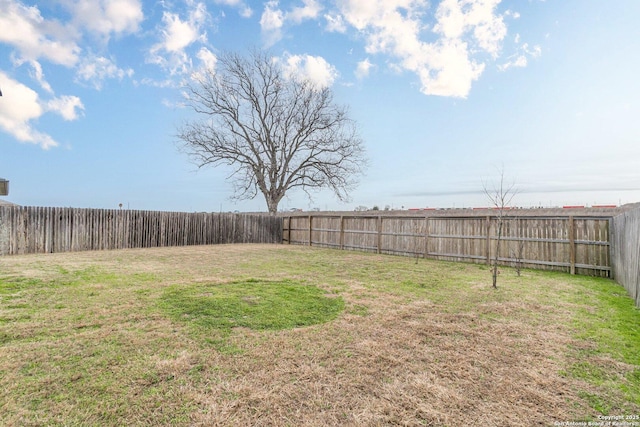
272 205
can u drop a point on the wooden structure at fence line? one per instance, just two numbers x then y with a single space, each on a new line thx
625 252
26 230
579 245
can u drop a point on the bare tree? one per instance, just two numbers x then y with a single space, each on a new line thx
276 132
500 196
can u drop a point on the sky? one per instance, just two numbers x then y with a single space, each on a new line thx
448 96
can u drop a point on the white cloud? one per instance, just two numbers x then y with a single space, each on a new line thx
245 11
36 71
363 69
458 17
65 106
517 61
445 65
514 15
369 15
335 23
19 106
107 16
166 83
274 19
177 35
208 62
26 30
449 70
38 74
310 10
271 22
535 51
314 68
207 58
96 69
521 58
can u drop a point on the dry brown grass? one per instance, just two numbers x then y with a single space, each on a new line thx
409 350
410 366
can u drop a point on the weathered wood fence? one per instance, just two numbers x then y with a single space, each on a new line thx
579 245
625 252
44 229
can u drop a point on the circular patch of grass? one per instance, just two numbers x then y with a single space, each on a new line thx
254 304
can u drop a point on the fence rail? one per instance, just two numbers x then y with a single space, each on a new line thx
579 245
44 229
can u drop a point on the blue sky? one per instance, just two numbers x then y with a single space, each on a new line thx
445 93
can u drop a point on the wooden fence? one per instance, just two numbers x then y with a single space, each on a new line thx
579 245
43 229
625 252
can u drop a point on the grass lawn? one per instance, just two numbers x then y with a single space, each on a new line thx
290 335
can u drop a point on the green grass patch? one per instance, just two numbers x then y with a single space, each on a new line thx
596 401
253 303
12 285
608 321
609 318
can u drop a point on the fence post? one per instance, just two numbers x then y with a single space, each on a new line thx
572 244
310 228
284 218
5 236
341 232
609 261
426 237
379 233
488 241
